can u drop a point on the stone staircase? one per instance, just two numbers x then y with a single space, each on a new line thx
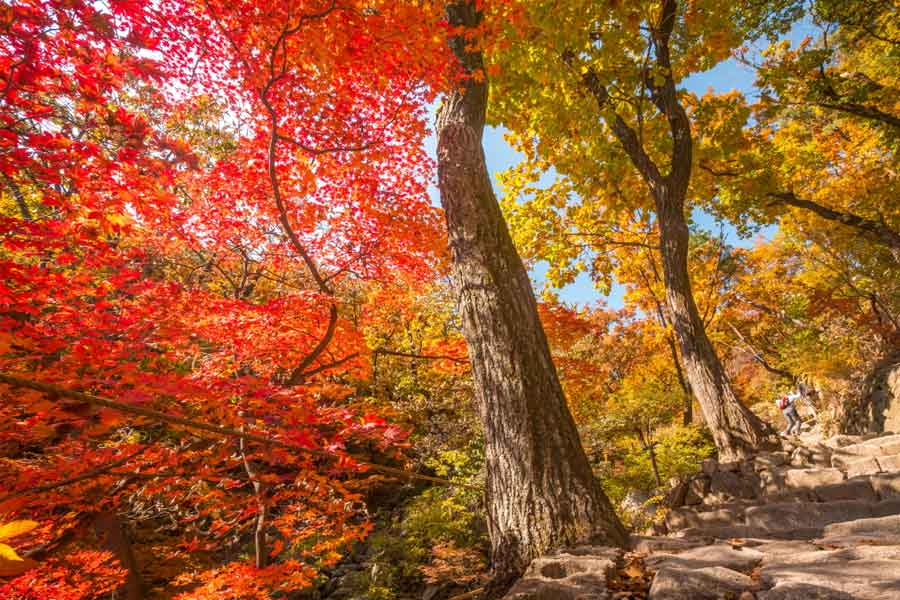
820 520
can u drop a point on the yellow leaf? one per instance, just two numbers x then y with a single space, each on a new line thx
14 528
11 564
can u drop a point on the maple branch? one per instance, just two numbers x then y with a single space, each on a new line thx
608 242
876 231
419 356
625 134
89 474
56 391
306 374
758 357
19 197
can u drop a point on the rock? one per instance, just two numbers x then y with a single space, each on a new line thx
711 583
839 441
675 497
770 460
709 466
648 544
785 547
802 591
719 555
682 518
864 575
802 515
730 484
889 463
885 525
792 496
576 574
697 489
886 485
812 478
886 508
853 489
864 466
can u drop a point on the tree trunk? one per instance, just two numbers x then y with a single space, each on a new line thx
540 491
108 527
736 430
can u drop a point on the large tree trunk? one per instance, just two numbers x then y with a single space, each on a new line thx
736 430
540 492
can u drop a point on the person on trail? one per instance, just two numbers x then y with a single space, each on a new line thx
787 405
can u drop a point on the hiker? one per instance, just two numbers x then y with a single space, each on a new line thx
787 405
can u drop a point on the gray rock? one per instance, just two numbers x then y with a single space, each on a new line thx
770 460
648 544
886 508
802 515
886 485
839 441
871 527
698 487
576 574
862 575
718 555
682 518
802 591
785 547
812 478
852 489
889 463
712 583
862 466
731 484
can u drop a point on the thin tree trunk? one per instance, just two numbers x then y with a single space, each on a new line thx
648 447
540 491
260 548
109 527
688 412
736 430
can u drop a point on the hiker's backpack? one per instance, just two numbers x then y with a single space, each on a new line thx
783 402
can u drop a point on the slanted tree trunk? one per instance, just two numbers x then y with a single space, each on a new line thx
736 431
540 491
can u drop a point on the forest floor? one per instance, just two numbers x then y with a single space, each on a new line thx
819 520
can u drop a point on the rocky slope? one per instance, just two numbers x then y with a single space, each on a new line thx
818 521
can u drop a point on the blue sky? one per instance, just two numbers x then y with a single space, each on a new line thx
724 77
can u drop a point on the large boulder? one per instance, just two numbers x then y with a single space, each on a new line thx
852 489
731 484
682 518
862 466
576 574
801 515
802 591
710 583
812 478
719 555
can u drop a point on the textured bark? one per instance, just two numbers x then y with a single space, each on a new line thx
540 491
736 430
